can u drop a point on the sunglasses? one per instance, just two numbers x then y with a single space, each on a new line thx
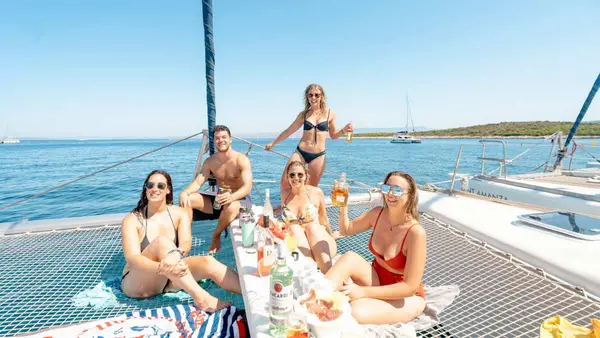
396 190
159 185
315 95
300 175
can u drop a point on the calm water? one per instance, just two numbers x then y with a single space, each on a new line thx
34 166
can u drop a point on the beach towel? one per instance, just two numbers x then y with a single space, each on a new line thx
173 321
437 299
107 294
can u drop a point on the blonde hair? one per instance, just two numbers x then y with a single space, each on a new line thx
413 194
322 99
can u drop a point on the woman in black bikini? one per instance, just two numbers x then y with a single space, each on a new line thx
317 120
156 237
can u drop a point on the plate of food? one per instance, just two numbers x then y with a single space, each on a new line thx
324 308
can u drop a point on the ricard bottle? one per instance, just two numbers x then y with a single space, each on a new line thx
280 293
340 191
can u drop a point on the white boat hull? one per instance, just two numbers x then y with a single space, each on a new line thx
405 140
555 201
400 141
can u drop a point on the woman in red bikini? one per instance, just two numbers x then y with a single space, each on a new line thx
388 290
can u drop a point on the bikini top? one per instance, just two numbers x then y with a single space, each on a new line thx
396 263
145 242
321 126
309 214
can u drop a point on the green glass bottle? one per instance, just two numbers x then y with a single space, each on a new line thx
281 299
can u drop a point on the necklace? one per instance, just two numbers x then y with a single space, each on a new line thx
395 226
399 224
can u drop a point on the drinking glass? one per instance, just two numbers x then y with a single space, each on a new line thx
247 231
297 327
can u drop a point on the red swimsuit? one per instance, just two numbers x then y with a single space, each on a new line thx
387 277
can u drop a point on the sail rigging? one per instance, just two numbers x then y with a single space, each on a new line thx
562 152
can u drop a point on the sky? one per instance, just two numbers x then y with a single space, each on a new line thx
135 68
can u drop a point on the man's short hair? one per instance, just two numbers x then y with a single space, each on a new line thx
221 128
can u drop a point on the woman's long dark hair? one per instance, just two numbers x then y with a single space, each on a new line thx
143 202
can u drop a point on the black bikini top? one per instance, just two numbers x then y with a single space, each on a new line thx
321 126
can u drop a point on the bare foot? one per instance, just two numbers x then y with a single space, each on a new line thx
215 245
211 304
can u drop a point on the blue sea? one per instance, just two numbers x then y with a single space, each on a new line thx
35 166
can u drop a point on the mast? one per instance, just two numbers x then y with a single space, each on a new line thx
209 62
409 115
407 112
584 109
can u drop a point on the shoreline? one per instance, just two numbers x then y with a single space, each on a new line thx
473 137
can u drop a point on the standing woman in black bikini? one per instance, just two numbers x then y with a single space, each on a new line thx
317 120
156 237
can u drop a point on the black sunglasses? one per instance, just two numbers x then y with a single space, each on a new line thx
159 185
300 175
315 95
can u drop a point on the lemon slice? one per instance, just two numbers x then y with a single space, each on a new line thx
339 299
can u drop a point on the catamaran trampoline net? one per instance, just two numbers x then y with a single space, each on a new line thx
42 272
498 297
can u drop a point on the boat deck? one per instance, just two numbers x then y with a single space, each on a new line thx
572 181
498 295
577 181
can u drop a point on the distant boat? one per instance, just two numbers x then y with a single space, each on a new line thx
403 136
9 140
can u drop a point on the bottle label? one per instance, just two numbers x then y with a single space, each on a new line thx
281 298
268 255
216 204
340 199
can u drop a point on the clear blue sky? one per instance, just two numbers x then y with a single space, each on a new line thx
136 68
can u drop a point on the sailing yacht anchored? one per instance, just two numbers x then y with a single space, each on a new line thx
9 139
403 136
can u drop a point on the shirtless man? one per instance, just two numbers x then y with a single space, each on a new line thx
230 168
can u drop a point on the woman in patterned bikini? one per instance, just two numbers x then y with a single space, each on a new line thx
303 209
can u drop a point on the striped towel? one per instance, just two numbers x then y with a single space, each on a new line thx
174 321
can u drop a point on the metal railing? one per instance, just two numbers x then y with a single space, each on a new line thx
502 161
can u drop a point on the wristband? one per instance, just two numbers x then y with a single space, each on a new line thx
175 250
